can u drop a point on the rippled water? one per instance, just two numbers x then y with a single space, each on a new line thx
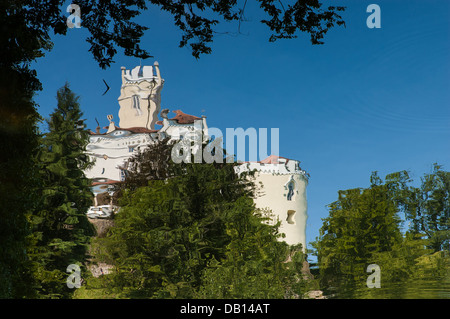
426 277
437 288
419 290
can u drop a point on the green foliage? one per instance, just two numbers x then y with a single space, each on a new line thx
410 270
19 176
427 207
256 264
60 229
112 26
362 222
197 22
25 35
364 228
178 236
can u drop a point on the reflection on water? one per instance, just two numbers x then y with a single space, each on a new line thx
425 281
424 289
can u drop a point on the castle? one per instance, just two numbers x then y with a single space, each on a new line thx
281 183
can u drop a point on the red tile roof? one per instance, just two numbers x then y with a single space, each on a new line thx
108 182
182 118
273 159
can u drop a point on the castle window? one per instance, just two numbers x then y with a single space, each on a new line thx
137 104
291 190
290 217
123 174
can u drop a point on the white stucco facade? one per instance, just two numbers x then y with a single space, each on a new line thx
281 187
111 151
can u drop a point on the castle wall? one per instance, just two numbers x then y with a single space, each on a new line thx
111 151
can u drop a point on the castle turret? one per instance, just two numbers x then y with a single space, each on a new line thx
281 187
140 96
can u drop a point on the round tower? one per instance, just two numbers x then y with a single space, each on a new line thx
281 187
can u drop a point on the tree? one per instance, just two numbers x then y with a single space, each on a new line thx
152 164
364 228
170 223
410 270
61 231
185 224
256 263
110 25
20 44
26 35
427 207
361 222
19 176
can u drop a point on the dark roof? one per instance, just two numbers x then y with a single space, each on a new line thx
138 130
95 133
130 129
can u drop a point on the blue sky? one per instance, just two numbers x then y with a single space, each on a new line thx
366 100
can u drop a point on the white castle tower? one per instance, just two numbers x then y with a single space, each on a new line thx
281 187
140 97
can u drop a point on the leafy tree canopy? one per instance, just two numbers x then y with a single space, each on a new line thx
365 227
110 24
195 233
60 229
